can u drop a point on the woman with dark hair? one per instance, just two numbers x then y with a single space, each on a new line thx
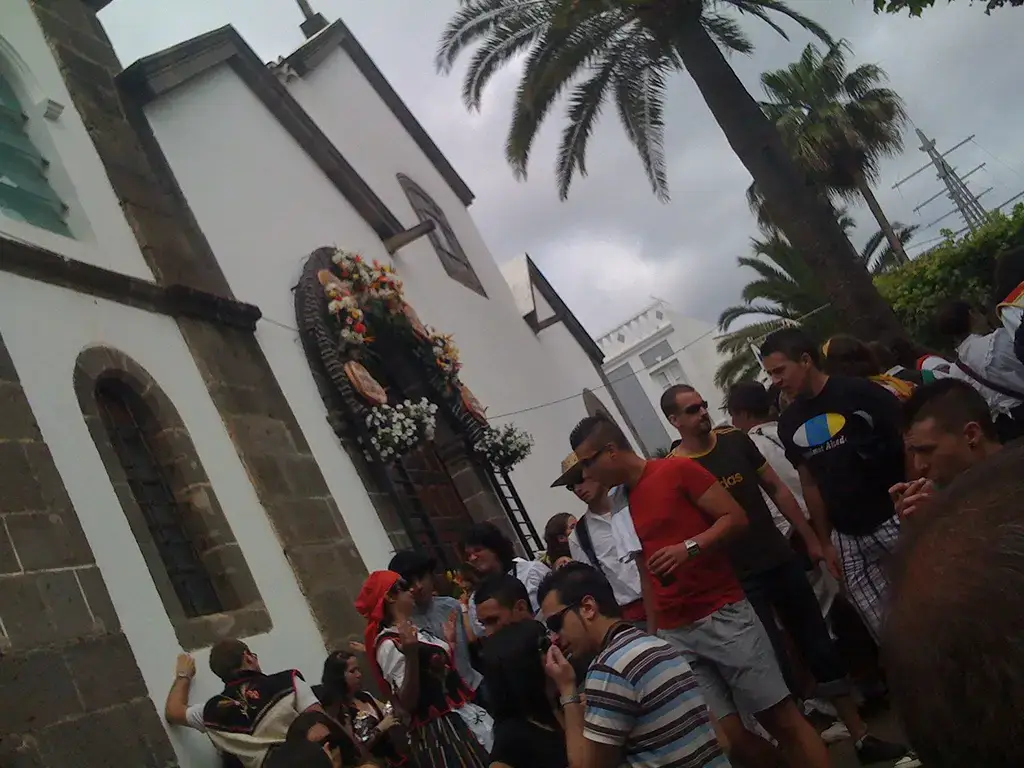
556 539
849 356
447 730
371 721
491 552
527 733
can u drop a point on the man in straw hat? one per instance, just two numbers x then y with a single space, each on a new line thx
601 538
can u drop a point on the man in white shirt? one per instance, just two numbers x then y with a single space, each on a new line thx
986 360
600 538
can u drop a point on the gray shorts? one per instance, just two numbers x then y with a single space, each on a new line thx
732 659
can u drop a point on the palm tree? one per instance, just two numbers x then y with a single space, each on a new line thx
624 51
787 292
838 124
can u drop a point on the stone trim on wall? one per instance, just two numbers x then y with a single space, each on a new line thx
172 300
73 694
203 519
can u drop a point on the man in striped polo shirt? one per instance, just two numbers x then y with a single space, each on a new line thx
643 706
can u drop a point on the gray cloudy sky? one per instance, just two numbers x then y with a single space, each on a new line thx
612 245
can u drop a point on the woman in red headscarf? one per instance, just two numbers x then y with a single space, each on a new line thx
447 729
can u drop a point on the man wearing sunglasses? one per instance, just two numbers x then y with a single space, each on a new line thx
772 575
642 707
684 519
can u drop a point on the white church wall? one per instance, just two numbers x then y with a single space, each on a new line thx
45 329
102 236
264 206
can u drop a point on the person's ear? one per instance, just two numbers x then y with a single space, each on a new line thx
588 608
973 433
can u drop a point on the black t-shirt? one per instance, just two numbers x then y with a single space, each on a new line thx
849 437
737 462
520 743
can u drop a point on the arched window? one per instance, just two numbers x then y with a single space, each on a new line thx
447 246
25 193
197 566
133 431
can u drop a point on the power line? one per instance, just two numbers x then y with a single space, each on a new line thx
560 400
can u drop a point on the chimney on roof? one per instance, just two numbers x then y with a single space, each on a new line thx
315 22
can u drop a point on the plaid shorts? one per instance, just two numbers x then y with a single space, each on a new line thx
863 562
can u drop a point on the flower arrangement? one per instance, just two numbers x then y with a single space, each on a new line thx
351 319
369 281
446 355
396 430
504 446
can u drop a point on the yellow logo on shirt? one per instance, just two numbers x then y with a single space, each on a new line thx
731 480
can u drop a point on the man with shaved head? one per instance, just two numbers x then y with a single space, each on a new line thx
952 641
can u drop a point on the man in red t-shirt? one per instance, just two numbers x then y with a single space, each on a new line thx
682 516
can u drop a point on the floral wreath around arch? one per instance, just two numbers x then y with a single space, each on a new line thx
364 298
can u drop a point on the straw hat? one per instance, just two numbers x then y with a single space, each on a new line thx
572 472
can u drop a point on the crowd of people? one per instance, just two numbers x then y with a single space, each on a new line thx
701 609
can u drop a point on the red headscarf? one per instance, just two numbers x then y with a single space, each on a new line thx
370 605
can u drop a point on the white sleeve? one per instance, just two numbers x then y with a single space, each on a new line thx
575 550
627 543
304 696
533 576
392 663
194 717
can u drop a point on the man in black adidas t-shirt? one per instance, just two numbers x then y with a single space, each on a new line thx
844 436
771 573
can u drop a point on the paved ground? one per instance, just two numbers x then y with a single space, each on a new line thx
883 726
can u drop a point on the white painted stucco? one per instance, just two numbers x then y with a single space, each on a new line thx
101 235
45 328
264 205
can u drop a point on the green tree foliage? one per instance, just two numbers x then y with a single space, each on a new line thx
784 292
592 54
838 123
917 7
956 269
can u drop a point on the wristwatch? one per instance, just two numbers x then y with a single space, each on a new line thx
573 698
692 548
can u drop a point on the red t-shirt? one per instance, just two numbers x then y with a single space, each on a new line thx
663 505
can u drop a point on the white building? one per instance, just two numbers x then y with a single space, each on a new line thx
648 353
182 457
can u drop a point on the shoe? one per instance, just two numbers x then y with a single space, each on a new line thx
835 733
909 760
872 750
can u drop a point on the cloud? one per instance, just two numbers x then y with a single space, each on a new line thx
612 245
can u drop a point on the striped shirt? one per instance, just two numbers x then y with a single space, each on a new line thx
642 696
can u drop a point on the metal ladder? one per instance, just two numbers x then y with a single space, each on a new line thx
516 511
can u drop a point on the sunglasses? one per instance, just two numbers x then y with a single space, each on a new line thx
690 410
400 586
556 621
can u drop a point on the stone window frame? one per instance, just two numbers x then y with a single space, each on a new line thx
454 259
205 523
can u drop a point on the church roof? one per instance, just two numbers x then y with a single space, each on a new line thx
523 278
153 76
311 53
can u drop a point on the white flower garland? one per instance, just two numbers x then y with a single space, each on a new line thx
504 446
396 430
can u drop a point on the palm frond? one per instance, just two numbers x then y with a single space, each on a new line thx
474 20
640 98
